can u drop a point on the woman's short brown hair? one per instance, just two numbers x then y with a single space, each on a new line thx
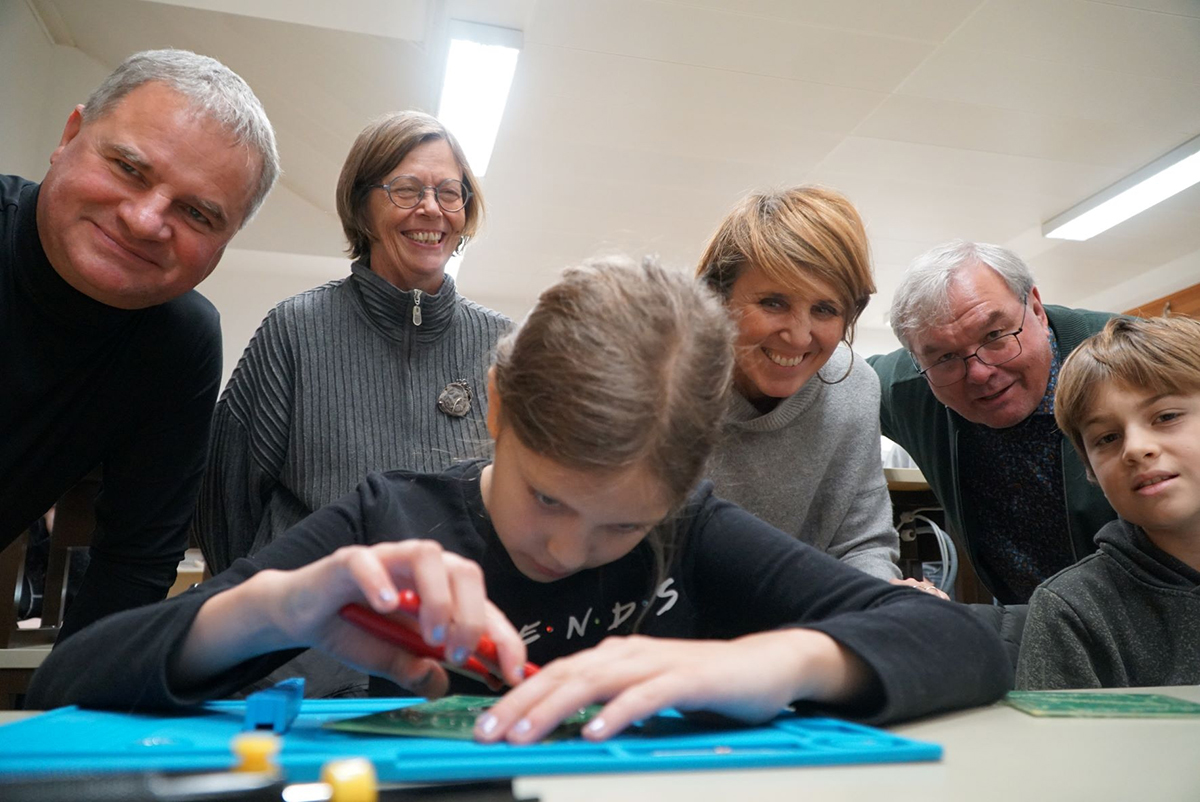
381 146
795 235
1155 355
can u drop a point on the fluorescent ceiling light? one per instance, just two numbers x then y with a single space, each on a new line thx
1152 184
479 71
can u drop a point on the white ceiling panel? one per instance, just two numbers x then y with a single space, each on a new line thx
923 20
399 19
965 125
1185 8
678 99
1059 181
933 213
728 41
1011 81
1145 43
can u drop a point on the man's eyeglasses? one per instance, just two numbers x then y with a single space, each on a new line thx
952 368
406 192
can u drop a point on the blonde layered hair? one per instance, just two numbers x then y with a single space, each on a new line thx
794 236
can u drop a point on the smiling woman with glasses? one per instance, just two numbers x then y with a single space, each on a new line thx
407 192
382 370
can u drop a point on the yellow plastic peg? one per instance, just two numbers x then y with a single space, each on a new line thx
256 751
351 780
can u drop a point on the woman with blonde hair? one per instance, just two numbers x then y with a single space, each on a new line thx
801 442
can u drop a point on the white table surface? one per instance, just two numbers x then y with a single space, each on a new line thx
990 753
24 656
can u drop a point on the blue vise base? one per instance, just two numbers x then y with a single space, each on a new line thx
275 708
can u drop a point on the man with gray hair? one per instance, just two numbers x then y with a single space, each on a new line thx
110 359
971 397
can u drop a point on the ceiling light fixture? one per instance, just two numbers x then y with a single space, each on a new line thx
479 72
1154 183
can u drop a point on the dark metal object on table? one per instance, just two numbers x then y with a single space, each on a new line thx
230 787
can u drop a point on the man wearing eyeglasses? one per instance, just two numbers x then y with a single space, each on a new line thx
971 398
109 359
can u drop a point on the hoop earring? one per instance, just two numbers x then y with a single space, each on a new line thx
845 375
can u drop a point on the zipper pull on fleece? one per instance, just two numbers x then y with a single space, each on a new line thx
416 307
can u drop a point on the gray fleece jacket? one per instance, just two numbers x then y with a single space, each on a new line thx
811 466
1127 615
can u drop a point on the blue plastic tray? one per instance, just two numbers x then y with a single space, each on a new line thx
73 740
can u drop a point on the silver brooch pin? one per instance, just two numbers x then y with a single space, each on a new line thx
455 399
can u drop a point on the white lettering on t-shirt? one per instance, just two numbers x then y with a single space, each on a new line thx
575 625
621 613
671 596
529 632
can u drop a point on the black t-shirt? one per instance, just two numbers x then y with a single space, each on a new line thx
87 385
733 575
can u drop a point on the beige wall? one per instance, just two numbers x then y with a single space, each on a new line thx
42 83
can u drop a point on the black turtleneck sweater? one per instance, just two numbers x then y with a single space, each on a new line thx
87 385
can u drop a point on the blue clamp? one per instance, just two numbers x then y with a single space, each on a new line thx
275 708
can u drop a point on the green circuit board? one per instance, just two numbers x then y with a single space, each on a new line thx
449 717
1077 704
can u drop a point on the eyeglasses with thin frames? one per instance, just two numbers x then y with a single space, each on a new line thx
407 192
952 368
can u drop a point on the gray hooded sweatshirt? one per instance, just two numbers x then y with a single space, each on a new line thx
1126 616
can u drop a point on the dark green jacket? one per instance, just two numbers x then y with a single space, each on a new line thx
928 430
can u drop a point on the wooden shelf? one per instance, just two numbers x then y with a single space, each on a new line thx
905 479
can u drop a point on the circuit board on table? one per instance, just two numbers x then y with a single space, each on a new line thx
1076 704
450 717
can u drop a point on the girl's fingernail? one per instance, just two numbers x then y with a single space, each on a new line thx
595 726
486 724
460 654
420 687
437 636
520 672
521 727
387 596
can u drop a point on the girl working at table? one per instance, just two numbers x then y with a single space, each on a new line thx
585 528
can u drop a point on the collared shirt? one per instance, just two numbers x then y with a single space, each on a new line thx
1013 492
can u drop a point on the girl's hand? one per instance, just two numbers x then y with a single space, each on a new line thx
289 609
751 679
